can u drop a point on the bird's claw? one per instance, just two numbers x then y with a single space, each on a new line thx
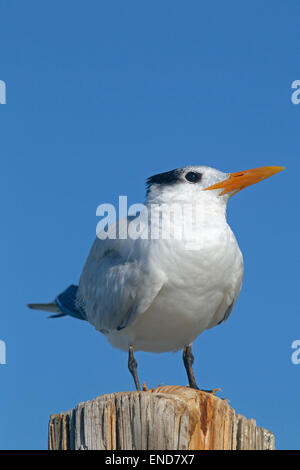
145 388
213 391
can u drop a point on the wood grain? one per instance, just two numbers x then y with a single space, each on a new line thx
164 418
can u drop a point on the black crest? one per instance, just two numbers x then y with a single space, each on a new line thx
167 178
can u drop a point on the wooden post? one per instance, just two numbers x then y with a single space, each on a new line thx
164 418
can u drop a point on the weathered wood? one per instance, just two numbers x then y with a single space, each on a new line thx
164 418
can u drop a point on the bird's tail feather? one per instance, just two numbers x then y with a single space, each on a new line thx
49 307
66 303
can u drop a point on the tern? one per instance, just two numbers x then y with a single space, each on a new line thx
158 293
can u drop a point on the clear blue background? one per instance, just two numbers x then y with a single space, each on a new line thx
101 95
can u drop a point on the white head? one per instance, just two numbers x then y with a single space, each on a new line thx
190 184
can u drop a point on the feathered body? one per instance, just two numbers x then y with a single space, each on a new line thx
159 294
171 272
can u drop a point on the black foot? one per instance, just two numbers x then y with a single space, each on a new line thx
213 392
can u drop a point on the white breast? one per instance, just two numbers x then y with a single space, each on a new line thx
202 282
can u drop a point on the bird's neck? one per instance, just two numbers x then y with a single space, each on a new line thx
207 206
198 222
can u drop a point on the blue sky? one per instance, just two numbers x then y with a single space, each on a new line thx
101 95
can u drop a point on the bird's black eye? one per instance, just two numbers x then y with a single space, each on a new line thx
193 177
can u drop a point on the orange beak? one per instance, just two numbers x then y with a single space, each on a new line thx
242 179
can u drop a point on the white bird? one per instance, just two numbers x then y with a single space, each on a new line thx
158 292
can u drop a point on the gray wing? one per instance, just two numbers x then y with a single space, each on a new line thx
117 284
230 297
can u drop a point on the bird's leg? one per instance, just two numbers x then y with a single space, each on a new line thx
188 360
132 366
